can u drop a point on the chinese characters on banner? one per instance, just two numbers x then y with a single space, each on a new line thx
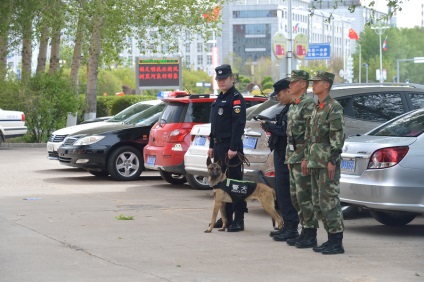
159 73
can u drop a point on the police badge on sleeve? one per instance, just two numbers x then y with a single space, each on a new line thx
220 111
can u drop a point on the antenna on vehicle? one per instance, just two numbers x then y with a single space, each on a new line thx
187 89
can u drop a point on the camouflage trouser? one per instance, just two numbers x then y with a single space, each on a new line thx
326 199
301 195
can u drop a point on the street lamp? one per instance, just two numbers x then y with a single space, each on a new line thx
379 30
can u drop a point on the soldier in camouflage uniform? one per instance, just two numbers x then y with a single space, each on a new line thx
325 135
300 185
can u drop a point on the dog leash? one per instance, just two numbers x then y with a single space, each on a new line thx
243 160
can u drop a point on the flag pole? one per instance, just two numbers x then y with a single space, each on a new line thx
360 63
379 31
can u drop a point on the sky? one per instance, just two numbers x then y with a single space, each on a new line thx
410 16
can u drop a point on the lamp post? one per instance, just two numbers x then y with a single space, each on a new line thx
366 72
379 30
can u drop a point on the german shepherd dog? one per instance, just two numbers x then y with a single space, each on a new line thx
263 193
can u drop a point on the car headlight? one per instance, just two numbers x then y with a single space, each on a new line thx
88 140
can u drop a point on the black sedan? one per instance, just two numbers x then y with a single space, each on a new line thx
116 150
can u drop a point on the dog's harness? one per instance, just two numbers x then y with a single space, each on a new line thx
238 190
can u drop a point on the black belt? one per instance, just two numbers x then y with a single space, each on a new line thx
221 140
320 139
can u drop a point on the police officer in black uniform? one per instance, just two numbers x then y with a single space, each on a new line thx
278 143
228 118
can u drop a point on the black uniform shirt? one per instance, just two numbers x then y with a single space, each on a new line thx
228 118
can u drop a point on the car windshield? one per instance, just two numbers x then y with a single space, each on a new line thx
150 120
182 112
411 125
146 114
129 112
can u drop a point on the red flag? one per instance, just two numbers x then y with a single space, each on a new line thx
385 44
353 34
212 15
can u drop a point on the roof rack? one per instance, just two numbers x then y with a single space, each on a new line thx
194 96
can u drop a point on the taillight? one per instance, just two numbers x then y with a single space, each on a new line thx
23 117
177 135
387 157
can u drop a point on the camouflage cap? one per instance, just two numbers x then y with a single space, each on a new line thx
298 75
323 75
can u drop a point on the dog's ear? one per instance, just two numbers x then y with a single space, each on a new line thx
208 161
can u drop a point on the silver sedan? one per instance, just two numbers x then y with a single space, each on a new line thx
383 170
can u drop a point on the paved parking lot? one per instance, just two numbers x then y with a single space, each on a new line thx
60 224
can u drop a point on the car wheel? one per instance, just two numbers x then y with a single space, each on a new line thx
392 219
102 173
125 163
173 178
350 211
198 182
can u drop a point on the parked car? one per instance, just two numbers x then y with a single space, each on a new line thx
383 170
57 137
12 124
170 137
115 150
367 106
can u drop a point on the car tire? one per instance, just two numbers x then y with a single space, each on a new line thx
392 219
350 211
198 182
125 164
102 173
173 178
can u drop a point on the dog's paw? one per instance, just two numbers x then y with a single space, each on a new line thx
221 229
208 231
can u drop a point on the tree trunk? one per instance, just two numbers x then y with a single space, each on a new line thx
26 50
76 58
42 51
6 8
93 64
54 51
3 56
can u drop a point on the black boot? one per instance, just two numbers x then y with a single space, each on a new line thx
309 240
334 245
290 232
292 241
238 223
279 231
324 245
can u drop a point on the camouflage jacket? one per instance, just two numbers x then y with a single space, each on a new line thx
325 134
297 120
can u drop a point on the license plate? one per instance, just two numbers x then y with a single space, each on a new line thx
151 160
200 140
49 147
347 165
249 142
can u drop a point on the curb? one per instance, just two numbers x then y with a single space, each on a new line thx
23 145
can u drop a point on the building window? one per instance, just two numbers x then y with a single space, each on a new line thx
209 60
255 14
187 47
199 60
199 47
187 61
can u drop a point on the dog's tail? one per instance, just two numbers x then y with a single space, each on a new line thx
274 194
